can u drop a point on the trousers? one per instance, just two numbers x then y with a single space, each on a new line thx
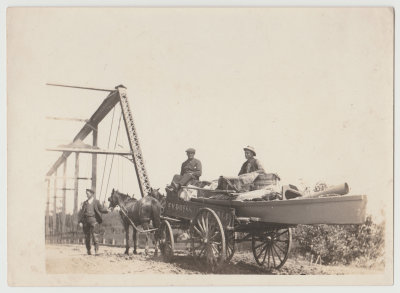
88 229
183 180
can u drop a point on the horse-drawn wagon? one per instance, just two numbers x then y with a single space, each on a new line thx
215 225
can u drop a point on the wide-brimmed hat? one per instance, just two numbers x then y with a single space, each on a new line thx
251 149
90 190
191 150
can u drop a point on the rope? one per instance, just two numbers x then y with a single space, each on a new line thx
112 160
108 146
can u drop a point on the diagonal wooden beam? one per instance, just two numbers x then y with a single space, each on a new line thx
109 102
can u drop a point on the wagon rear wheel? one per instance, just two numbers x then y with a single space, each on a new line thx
208 238
166 241
271 248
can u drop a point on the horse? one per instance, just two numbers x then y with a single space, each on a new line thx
140 212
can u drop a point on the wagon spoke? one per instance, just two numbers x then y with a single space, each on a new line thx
276 253
197 230
280 248
262 250
200 226
284 241
273 258
265 255
276 236
217 233
204 224
259 245
269 255
212 229
215 249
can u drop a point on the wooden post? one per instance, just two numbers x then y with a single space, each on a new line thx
76 185
64 197
94 160
47 220
55 204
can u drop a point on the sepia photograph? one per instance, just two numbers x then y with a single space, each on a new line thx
194 146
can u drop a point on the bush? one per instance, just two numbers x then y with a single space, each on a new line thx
342 244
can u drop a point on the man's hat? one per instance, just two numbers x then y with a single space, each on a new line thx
90 190
191 150
251 149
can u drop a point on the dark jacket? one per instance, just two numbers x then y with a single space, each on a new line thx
98 210
251 165
191 166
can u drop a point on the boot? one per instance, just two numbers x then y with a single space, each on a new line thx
89 252
169 188
176 186
96 248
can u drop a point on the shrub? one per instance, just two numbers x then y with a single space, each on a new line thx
342 244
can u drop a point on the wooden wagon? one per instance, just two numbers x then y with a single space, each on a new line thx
215 225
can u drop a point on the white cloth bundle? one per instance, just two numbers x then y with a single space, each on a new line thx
186 194
258 193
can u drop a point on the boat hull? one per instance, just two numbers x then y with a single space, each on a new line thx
348 209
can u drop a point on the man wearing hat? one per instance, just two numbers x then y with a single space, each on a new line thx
190 171
89 216
252 164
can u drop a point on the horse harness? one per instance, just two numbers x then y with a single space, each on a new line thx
133 225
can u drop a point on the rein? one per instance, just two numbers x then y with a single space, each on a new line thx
133 225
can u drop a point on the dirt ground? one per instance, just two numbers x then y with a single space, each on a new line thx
72 259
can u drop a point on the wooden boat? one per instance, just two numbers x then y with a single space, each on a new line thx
348 209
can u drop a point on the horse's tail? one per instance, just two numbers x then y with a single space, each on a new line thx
156 211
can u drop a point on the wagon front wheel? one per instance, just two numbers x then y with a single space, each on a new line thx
166 241
271 248
208 238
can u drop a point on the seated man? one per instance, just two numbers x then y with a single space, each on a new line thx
190 171
252 164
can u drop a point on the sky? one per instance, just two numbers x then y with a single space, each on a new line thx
310 89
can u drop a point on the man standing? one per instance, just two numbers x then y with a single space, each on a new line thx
252 164
190 171
89 216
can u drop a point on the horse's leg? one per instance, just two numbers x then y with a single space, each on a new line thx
134 241
126 227
156 243
146 248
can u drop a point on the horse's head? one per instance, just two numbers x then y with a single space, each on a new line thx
114 199
117 199
155 193
158 196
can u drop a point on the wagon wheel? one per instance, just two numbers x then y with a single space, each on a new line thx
166 241
271 248
208 238
230 244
